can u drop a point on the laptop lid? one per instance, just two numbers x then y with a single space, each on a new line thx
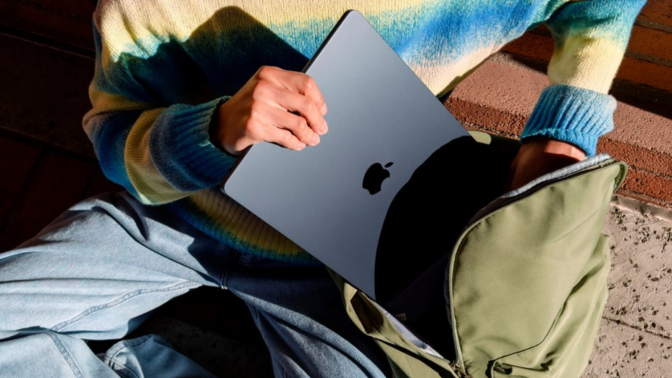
333 199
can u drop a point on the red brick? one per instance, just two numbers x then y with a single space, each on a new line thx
644 198
651 44
647 135
641 72
655 44
652 185
499 98
635 155
532 45
657 11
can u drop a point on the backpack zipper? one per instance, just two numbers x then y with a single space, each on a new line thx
459 373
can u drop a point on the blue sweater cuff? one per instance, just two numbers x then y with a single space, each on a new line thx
181 149
572 114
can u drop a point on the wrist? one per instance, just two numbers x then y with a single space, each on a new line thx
546 145
216 127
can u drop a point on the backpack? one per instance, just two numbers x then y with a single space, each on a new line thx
525 282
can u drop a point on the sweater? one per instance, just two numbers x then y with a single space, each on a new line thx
163 67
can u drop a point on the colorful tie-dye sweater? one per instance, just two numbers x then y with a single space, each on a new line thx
163 67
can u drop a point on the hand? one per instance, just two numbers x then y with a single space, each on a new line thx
540 156
261 111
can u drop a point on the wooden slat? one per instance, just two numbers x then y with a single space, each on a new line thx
60 25
44 94
80 9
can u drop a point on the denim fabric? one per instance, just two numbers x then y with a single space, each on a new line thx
98 270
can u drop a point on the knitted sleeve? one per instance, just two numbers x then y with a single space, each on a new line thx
590 39
151 109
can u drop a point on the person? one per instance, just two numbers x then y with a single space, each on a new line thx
180 90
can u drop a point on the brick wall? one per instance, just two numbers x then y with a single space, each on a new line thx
500 95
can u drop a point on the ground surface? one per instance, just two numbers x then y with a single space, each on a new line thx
634 338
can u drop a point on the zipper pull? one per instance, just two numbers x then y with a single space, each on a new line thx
460 373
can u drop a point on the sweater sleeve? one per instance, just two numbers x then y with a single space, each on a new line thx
590 39
150 118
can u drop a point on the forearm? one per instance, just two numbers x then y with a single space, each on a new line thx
590 39
149 123
162 154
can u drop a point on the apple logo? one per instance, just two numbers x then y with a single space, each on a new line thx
374 177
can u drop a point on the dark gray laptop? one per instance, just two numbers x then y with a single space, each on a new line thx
333 199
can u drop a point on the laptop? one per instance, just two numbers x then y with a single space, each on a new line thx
334 199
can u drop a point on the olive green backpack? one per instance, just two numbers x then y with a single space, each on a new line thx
526 282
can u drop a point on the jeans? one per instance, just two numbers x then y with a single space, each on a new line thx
98 270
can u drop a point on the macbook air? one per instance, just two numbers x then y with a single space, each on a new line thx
334 199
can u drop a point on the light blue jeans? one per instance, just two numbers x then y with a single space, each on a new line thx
98 270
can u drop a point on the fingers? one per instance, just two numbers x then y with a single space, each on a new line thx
305 85
303 105
286 108
298 82
296 124
284 138
307 99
